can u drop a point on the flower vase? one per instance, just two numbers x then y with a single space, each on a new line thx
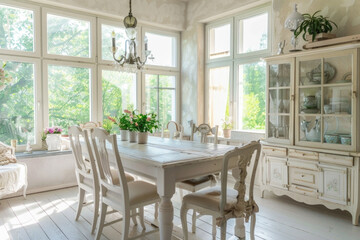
54 142
226 133
132 136
142 137
124 134
44 145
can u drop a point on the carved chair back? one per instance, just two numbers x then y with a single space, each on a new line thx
173 128
106 150
241 157
90 125
204 130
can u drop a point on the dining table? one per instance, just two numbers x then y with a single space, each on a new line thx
166 162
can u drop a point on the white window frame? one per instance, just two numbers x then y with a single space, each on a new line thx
37 38
99 90
253 13
93 100
38 113
207 85
176 51
207 42
177 90
92 44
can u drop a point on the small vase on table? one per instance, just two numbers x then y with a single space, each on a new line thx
124 134
132 136
142 137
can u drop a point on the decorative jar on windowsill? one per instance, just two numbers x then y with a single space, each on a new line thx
53 138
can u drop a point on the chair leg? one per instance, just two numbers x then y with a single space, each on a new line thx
96 211
103 210
125 225
213 227
133 216
141 216
193 225
156 214
183 213
252 226
223 231
81 196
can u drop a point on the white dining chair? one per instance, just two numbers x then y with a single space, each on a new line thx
86 173
223 203
90 125
205 131
176 130
196 184
125 197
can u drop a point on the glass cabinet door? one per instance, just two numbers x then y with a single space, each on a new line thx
324 102
279 101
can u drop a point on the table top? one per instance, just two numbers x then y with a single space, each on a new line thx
164 152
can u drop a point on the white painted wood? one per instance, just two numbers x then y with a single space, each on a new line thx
277 172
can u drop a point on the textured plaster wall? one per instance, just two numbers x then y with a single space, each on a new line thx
344 13
165 13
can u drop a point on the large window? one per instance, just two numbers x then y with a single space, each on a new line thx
72 79
235 74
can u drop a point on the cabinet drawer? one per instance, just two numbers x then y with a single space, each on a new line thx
303 190
274 151
336 159
305 155
303 177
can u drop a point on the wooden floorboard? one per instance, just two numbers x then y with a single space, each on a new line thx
51 215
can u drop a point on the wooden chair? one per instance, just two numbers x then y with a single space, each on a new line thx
176 130
86 173
196 184
90 125
223 203
125 197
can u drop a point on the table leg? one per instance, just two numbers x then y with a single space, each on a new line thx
239 228
166 214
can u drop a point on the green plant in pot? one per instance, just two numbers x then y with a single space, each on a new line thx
314 25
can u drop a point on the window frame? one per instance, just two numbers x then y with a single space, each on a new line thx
92 36
177 90
176 51
92 85
99 89
38 113
37 27
207 42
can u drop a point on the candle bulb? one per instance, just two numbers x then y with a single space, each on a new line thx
113 39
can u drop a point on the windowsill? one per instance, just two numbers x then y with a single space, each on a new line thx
36 154
250 131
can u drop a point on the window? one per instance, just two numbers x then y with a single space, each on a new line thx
118 92
69 95
17 103
219 41
160 95
120 36
163 47
236 82
17 29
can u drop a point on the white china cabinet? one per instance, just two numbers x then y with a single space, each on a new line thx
311 152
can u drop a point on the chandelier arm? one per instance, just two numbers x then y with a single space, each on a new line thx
130 13
120 59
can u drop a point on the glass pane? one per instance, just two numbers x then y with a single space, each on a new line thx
69 98
219 95
337 100
310 72
167 107
338 69
68 36
278 127
118 92
17 29
337 130
166 81
17 104
310 100
310 128
219 41
106 39
252 96
280 75
253 33
163 48
279 101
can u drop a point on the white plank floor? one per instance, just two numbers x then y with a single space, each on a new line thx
50 215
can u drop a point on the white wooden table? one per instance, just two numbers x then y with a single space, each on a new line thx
170 161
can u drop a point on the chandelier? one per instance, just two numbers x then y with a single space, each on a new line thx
130 57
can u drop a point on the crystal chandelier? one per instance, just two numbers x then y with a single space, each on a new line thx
130 58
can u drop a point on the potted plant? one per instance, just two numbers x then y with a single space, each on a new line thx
124 124
53 138
145 123
132 127
227 126
317 27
